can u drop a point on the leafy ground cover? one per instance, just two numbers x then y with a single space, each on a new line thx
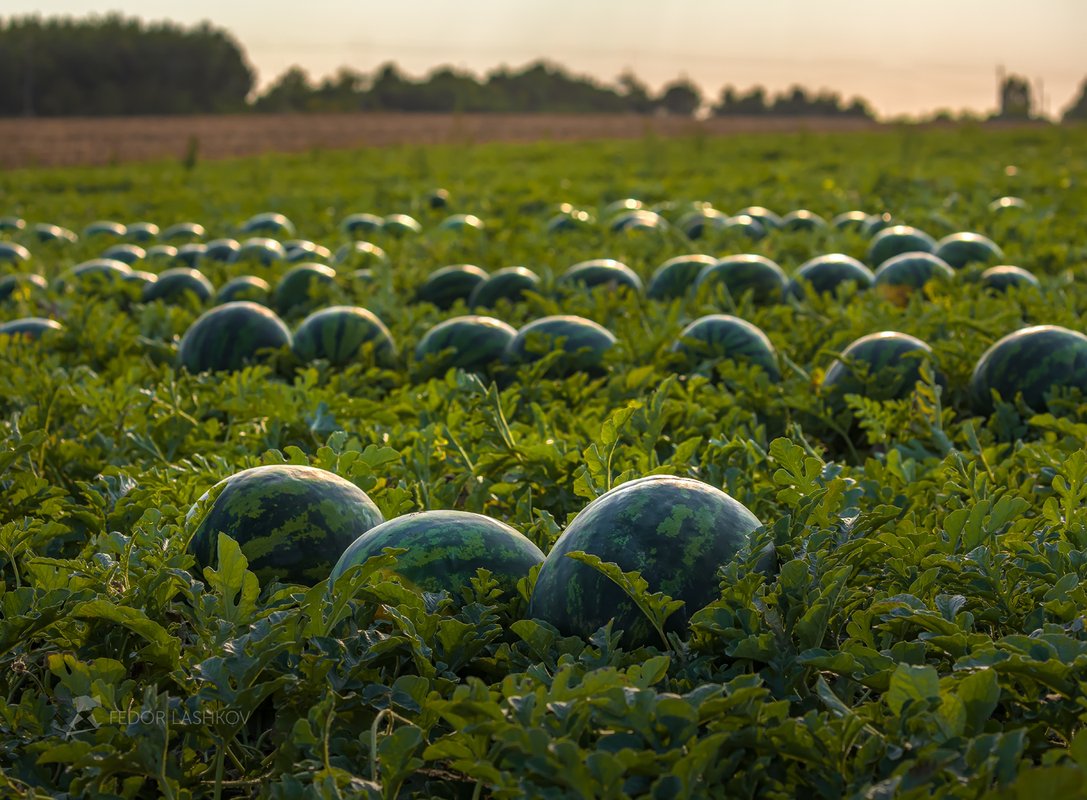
922 633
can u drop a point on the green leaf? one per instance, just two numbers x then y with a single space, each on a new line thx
235 587
912 685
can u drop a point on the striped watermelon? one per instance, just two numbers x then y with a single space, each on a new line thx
192 253
1002 278
583 341
461 222
572 220
361 224
962 249
849 221
745 273
105 229
305 287
142 232
268 224
896 240
183 232
751 227
639 220
339 333
292 523
244 287
299 250
222 250
471 343
825 274
356 255
438 198
12 224
447 285
22 286
46 233
803 220
161 252
899 277
181 285
676 276
764 216
29 328
400 225
231 335
128 253
445 548
1032 362
602 272
720 337
260 250
1008 204
97 276
880 366
13 253
695 224
676 532
509 284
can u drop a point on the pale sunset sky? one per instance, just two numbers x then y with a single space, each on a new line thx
904 58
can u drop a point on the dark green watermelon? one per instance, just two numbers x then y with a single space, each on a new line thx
299 250
400 225
751 227
338 334
825 274
269 223
876 223
899 277
97 276
29 328
447 285
224 251
509 283
695 224
46 233
1031 362
961 249
803 220
640 220
128 253
723 337
161 252
231 335
471 343
305 287
13 253
849 221
676 532
445 548
622 205
361 224
142 232
106 229
191 254
438 198
183 232
175 285
583 341
745 273
1008 204
461 222
356 255
764 216
572 220
22 286
260 250
880 366
896 240
601 272
12 224
292 523
675 277
1002 278
244 287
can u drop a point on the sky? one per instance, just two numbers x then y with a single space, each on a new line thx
904 58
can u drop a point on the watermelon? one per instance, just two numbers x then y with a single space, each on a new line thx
751 227
292 523
439 198
142 232
764 216
181 285
899 277
695 223
880 366
22 286
961 249
461 222
1008 203
896 240
876 223
676 532
623 205
29 328
359 254
676 276
105 228
583 341
825 274
191 254
447 285
470 343
338 333
361 224
303 250
601 272
231 335
305 287
260 250
268 224
1002 278
183 232
509 283
849 221
161 252
803 220
12 224
1030 362
721 336
222 250
244 287
45 233
140 279
445 548
13 253
401 225
743 273
96 275
128 253
572 220
640 220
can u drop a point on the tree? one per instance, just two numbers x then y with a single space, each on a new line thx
291 91
1077 112
635 94
680 97
1015 98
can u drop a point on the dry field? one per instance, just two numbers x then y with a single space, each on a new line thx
88 141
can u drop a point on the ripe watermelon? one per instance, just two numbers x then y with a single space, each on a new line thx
572 220
622 205
12 224
29 328
1002 278
764 216
355 255
161 252
677 275
99 275
292 523
961 249
268 224
743 273
305 287
447 285
128 253
583 341
721 336
401 225
192 253
1031 362
105 228
677 532
181 285
695 224
605 272
222 250
338 334
470 343
751 227
896 240
849 221
231 335
803 220
47 233
445 548
639 220
184 232
825 274
899 277
244 287
303 250
142 232
461 222
260 250
22 286
509 283
13 253
876 223
1008 203
439 198
880 366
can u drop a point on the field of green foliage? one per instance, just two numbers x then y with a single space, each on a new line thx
921 633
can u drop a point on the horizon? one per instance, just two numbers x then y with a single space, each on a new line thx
913 70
